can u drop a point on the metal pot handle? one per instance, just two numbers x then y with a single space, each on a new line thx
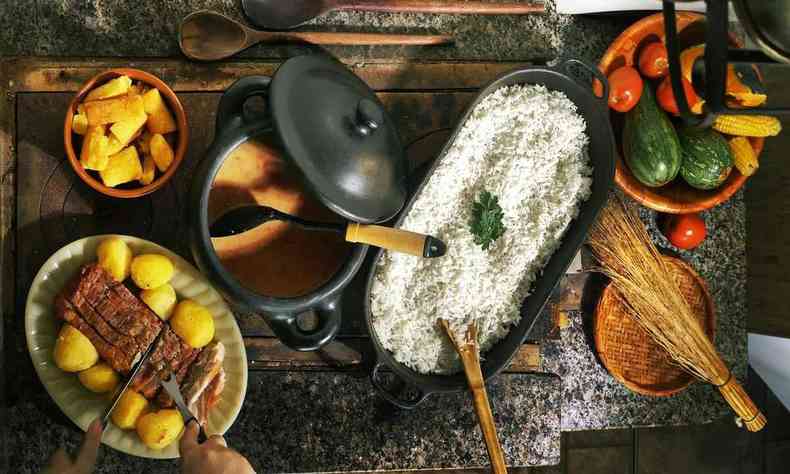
566 65
391 397
230 113
286 327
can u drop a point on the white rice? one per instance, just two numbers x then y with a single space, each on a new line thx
527 146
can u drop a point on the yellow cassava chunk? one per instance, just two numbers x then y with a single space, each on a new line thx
113 145
122 167
126 130
79 124
158 429
151 270
113 110
112 88
161 300
130 408
115 256
99 379
193 323
160 120
93 154
143 142
73 351
149 171
161 151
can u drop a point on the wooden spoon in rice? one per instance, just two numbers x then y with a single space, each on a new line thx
469 351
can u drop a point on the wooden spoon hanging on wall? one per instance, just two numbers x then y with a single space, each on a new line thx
469 352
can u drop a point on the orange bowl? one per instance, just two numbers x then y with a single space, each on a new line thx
175 107
676 197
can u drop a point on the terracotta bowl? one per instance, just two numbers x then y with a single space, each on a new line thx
676 197
175 108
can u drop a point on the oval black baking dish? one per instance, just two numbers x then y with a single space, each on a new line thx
601 150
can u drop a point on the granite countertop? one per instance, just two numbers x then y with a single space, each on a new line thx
314 421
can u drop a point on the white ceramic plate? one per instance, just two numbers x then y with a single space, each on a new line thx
82 406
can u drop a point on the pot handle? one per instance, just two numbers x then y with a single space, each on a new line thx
230 112
567 64
406 404
286 327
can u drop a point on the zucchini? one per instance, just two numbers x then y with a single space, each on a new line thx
707 158
650 143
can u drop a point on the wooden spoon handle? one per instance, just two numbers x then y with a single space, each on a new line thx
441 6
387 238
351 39
485 417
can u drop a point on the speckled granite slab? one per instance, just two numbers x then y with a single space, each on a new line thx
309 421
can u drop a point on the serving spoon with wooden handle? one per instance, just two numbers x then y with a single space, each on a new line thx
469 352
210 36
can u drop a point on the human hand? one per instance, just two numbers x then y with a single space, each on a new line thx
210 457
62 463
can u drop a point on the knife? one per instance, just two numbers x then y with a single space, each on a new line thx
171 387
146 355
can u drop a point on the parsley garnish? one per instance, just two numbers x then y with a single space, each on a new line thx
486 223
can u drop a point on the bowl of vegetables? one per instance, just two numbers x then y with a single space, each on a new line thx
662 164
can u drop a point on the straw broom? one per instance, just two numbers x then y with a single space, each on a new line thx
652 297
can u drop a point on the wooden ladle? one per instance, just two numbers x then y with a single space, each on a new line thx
285 14
469 352
210 36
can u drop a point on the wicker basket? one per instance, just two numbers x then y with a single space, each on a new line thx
630 354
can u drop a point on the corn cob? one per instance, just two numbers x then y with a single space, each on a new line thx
743 155
748 125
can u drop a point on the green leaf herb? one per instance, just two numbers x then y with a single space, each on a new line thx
486 223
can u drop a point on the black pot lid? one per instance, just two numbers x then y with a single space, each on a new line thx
336 131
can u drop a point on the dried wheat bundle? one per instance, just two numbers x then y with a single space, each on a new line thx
628 257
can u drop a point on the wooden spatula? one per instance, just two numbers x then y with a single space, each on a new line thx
469 351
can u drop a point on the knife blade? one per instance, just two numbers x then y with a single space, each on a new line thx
171 387
132 375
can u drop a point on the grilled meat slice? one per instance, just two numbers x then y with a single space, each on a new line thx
210 397
202 372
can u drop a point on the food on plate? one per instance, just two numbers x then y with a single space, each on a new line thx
93 154
205 382
131 406
161 300
102 112
625 88
650 144
112 88
127 130
73 351
707 160
122 167
100 378
193 323
115 256
748 125
160 151
79 124
151 270
149 171
743 155
160 120
158 429
684 231
525 145
666 97
653 61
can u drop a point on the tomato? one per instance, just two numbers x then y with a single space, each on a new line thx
625 88
653 62
666 97
684 231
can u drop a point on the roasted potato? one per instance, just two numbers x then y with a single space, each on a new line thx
122 167
151 270
93 154
99 379
118 109
73 351
115 257
130 408
161 151
193 323
149 171
112 88
127 130
160 120
159 429
161 300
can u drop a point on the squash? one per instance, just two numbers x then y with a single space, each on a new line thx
650 143
707 159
